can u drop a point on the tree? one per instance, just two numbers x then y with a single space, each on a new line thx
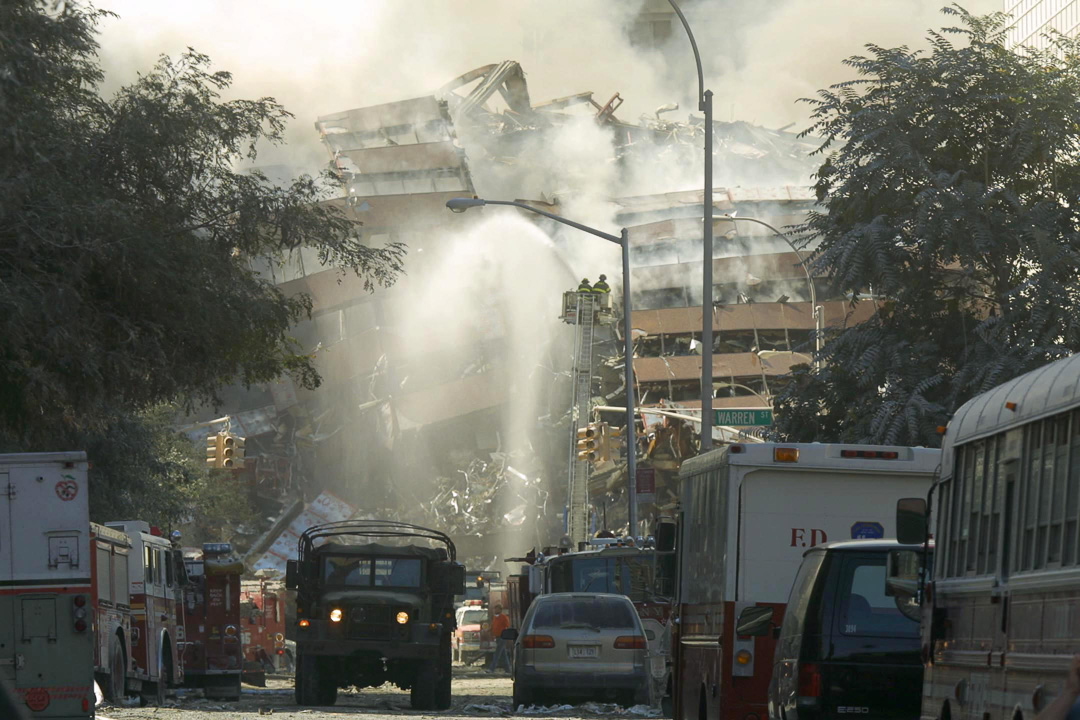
949 191
127 235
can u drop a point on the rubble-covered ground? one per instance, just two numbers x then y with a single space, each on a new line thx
476 694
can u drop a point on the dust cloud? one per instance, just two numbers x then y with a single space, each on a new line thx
760 57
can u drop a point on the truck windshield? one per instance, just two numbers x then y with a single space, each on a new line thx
372 572
628 575
474 617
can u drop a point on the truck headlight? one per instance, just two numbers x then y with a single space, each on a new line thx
336 615
402 617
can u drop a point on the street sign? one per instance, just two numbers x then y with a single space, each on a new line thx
743 417
646 480
867 530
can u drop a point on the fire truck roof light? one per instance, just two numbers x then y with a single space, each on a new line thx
786 454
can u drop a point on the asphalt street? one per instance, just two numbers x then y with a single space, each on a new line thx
476 694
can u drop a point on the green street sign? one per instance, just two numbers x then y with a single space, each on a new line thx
743 417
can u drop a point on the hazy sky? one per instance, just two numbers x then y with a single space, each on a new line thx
316 59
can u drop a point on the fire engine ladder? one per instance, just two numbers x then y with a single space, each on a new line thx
578 484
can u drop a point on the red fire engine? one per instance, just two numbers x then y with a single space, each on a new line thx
213 659
110 599
155 574
262 628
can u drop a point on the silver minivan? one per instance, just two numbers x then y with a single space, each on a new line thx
580 645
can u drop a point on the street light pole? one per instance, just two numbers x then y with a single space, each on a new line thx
623 241
705 104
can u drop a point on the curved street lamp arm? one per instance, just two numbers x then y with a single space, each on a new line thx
802 261
558 218
697 55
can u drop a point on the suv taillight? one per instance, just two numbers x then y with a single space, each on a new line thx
630 642
537 641
809 681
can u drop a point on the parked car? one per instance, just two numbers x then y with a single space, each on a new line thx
580 645
847 646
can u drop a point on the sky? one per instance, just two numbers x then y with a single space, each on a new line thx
760 56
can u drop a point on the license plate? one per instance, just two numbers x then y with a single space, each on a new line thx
584 651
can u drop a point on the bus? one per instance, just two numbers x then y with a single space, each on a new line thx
46 638
747 514
1001 611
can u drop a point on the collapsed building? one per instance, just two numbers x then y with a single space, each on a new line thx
419 415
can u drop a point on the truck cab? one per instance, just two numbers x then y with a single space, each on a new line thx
371 613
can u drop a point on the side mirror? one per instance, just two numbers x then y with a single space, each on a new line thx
754 621
649 635
456 579
665 536
291 574
510 634
902 573
911 521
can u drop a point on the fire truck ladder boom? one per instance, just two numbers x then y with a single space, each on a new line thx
577 524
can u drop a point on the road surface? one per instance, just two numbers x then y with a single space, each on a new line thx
476 695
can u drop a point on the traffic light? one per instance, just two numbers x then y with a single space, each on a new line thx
213 450
232 451
614 437
588 443
604 451
238 453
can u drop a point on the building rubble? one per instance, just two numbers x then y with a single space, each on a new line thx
410 426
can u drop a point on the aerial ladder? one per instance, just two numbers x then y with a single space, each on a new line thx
586 310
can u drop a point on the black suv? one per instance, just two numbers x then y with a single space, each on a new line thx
370 613
848 646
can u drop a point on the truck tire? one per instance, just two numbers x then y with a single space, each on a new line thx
522 696
444 693
422 695
307 680
114 688
327 684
